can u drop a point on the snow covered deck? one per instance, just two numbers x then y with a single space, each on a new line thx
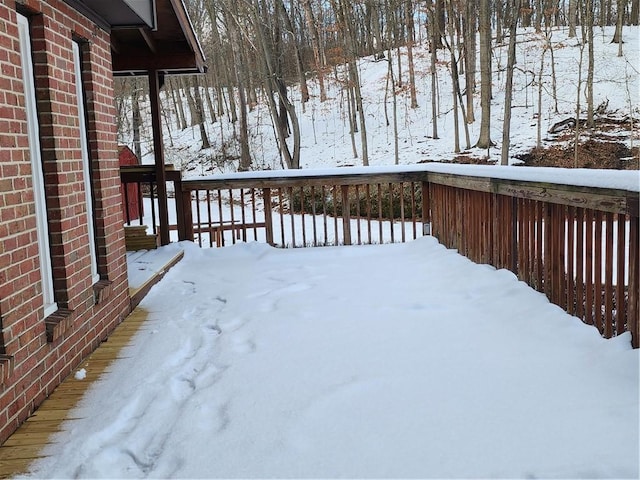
403 360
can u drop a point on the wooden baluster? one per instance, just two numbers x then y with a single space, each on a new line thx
253 214
598 272
589 265
268 215
571 252
209 220
281 208
580 263
243 216
291 217
357 188
620 270
313 215
368 195
220 233
346 215
304 227
380 213
324 215
608 276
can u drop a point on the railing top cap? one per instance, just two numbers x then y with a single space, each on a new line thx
611 179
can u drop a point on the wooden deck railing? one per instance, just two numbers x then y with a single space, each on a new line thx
578 245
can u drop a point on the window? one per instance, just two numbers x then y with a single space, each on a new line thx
37 176
86 161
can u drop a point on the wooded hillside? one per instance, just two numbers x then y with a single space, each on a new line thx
258 49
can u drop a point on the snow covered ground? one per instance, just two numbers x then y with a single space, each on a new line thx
394 361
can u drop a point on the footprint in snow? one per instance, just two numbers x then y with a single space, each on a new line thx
214 328
243 346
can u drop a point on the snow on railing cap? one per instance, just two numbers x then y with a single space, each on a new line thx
582 177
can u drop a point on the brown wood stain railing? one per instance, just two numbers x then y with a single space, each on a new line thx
578 245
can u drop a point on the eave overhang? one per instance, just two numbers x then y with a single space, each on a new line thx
147 35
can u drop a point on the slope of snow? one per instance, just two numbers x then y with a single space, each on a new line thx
391 361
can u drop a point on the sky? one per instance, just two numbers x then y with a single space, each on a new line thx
393 361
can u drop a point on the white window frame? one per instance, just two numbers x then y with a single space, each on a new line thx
86 169
37 174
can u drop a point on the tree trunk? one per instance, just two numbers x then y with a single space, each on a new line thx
634 16
433 30
315 45
573 13
617 36
577 128
345 21
439 23
484 140
245 154
353 127
207 98
199 110
190 102
511 60
540 84
589 28
499 7
136 119
274 85
410 39
176 95
538 18
470 57
302 80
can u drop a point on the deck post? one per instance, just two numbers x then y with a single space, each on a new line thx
158 151
426 212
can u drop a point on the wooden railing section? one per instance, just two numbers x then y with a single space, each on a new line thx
577 245
340 209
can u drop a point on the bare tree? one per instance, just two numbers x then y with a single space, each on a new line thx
342 9
136 118
511 60
315 44
410 40
435 37
573 14
455 79
484 140
469 33
290 30
617 36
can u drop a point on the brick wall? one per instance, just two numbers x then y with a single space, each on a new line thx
36 353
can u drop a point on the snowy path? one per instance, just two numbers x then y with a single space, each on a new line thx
395 361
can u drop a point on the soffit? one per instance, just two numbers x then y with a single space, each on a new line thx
147 35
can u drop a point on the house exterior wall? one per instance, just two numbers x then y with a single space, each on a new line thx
37 353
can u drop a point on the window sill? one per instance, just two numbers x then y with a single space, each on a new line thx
102 291
58 323
6 367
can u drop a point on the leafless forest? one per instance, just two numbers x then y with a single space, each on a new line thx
256 49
